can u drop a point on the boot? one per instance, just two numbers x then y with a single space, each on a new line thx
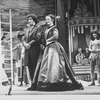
78 86
98 81
33 87
92 84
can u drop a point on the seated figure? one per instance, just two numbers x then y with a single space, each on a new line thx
86 60
79 57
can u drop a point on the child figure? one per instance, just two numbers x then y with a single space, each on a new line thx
86 59
3 76
20 61
79 57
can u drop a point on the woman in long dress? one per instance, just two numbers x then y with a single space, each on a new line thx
53 75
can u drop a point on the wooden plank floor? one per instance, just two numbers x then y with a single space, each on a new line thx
88 90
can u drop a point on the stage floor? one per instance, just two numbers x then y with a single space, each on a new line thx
16 90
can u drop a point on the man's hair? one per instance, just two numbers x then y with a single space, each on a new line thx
34 17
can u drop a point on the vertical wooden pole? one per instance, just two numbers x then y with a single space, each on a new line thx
10 19
55 12
98 2
69 44
95 10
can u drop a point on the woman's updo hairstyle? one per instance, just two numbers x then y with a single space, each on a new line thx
54 17
51 16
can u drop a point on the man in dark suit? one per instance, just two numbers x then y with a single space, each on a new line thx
32 45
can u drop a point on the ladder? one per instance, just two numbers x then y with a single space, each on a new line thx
10 32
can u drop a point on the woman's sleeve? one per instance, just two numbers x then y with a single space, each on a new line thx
55 35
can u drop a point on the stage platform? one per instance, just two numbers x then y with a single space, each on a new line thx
83 72
16 90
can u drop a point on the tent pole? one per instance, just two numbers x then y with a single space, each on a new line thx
10 21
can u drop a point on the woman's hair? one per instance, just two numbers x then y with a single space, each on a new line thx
95 32
20 35
34 17
52 16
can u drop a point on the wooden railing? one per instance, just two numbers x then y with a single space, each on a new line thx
79 24
81 21
83 72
